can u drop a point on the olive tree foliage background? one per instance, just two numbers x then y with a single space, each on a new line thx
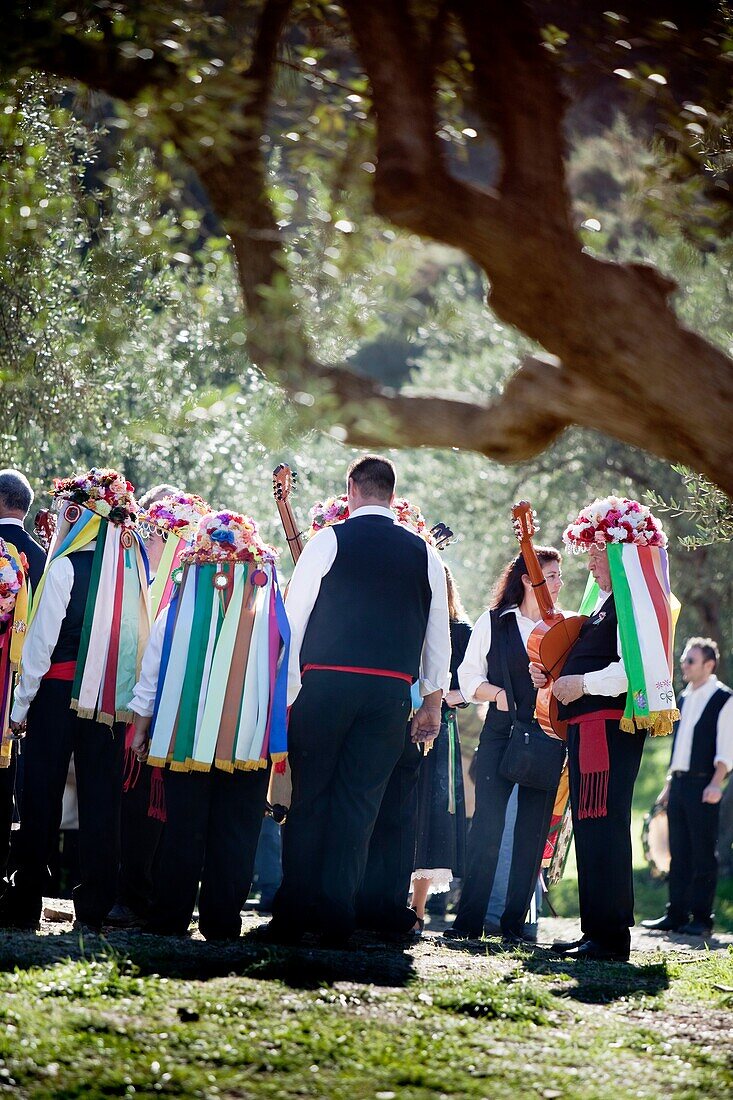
123 341
449 119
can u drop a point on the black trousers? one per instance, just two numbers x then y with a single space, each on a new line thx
345 736
7 809
693 834
381 903
534 809
54 732
603 844
210 837
140 837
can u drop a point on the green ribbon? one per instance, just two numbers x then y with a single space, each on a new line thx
637 701
86 629
200 628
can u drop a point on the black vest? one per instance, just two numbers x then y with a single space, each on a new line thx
460 634
67 646
505 632
373 604
705 733
596 647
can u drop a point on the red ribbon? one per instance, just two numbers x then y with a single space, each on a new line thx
390 673
594 762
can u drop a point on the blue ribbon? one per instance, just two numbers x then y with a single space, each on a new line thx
278 723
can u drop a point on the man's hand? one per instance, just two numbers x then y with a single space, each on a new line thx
568 688
16 730
712 794
425 723
453 698
538 674
139 744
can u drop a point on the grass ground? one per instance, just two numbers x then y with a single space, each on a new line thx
151 1018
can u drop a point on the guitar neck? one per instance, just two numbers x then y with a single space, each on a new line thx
290 527
537 577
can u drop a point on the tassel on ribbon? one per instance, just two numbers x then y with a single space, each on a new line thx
156 806
594 762
131 767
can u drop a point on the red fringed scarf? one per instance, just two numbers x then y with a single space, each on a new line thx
594 762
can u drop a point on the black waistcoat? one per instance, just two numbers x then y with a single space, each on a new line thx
596 647
373 604
705 733
460 634
505 632
67 647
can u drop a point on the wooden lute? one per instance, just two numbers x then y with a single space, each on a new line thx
556 633
283 483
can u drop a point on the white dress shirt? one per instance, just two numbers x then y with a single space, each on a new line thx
473 670
314 563
143 697
13 520
696 699
43 633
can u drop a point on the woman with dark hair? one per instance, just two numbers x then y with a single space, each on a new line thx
498 642
441 834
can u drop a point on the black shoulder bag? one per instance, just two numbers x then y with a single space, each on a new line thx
531 758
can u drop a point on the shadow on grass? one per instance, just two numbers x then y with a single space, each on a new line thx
600 983
301 967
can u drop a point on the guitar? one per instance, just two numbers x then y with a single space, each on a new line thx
555 635
283 484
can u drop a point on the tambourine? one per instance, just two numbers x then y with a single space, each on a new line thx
655 841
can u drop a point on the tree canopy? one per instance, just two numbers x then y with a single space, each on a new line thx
299 131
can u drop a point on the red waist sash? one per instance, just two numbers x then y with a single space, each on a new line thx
61 670
390 673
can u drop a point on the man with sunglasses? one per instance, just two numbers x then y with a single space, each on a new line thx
702 756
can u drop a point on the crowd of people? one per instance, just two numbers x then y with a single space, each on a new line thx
153 644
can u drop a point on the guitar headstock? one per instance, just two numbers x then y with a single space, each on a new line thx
283 481
442 536
44 525
524 521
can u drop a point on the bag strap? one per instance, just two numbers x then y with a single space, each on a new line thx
507 685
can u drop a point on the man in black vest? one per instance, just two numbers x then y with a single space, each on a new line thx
591 691
368 611
16 497
702 756
43 700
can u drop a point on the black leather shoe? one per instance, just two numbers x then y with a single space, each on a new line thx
284 935
662 924
696 928
458 934
561 947
517 939
590 951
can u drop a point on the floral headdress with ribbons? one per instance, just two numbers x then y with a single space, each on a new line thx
13 616
176 518
103 491
221 699
99 507
647 610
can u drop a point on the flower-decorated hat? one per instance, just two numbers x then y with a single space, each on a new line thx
336 509
616 520
104 492
229 537
12 578
178 514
